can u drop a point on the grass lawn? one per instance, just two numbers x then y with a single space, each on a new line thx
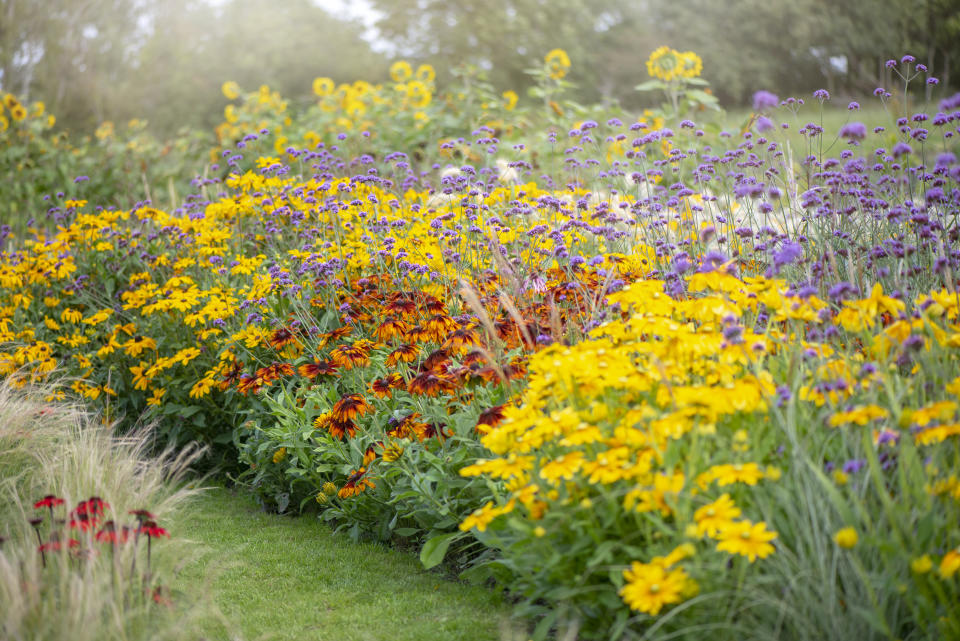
276 577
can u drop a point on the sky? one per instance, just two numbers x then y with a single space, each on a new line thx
362 11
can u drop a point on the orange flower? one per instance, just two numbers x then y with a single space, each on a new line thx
317 368
383 387
403 354
430 384
281 337
349 407
356 483
392 328
350 356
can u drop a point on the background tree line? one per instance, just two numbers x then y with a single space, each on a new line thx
93 60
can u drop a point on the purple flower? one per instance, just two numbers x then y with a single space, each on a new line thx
900 149
891 64
842 290
712 260
953 102
853 131
854 465
821 95
764 124
789 252
853 106
763 100
907 59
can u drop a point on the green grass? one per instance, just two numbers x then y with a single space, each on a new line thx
276 577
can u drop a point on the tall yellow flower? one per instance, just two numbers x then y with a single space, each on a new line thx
558 63
231 90
323 86
426 74
510 99
401 71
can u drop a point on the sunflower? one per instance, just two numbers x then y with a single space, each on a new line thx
323 86
558 63
400 71
426 74
231 90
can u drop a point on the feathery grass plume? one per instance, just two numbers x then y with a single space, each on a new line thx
96 590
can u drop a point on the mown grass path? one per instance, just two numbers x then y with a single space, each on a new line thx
275 577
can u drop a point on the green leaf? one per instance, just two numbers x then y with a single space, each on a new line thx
650 85
406 531
433 551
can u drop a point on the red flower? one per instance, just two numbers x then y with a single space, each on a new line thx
142 514
56 546
151 529
84 523
94 506
49 501
109 534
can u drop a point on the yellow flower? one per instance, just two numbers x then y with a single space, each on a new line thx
157 396
481 518
950 564
714 517
558 63
279 455
323 86
858 416
231 90
664 63
690 64
922 565
846 537
748 473
418 94
510 99
138 344
401 71
392 453
747 539
329 488
426 74
649 587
